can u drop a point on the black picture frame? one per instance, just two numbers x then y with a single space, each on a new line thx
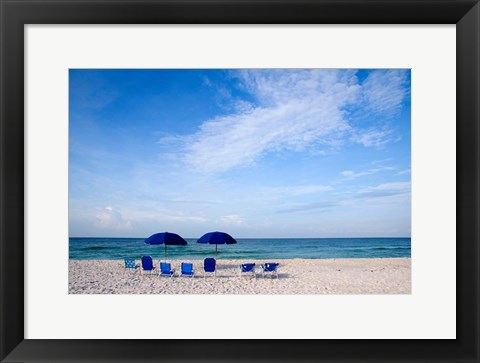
15 14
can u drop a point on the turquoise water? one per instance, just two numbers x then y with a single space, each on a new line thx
245 249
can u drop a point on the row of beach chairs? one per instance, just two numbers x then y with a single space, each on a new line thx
187 269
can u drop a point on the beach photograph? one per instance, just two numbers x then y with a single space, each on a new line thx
240 181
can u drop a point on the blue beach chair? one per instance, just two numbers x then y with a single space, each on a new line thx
130 264
147 264
166 269
270 268
247 268
187 269
209 266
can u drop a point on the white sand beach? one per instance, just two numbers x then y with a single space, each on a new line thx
296 276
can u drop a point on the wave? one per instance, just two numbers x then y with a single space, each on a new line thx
96 248
389 248
103 248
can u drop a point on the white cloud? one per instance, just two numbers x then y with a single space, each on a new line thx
180 218
296 110
385 190
393 186
165 218
374 138
241 139
206 81
313 206
394 194
350 174
274 87
243 106
232 219
403 172
300 190
109 219
112 219
384 90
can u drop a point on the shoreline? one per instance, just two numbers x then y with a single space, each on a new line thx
240 260
296 276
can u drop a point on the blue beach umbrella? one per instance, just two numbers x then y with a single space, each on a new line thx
165 238
217 238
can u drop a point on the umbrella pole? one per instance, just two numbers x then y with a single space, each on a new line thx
216 251
165 254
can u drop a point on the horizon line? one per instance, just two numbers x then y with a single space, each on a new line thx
252 237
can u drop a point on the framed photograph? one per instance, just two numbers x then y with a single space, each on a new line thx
240 181
279 158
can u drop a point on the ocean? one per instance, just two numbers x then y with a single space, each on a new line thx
245 249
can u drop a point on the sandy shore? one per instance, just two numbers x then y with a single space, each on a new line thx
296 276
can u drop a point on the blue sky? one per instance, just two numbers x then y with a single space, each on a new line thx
256 153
